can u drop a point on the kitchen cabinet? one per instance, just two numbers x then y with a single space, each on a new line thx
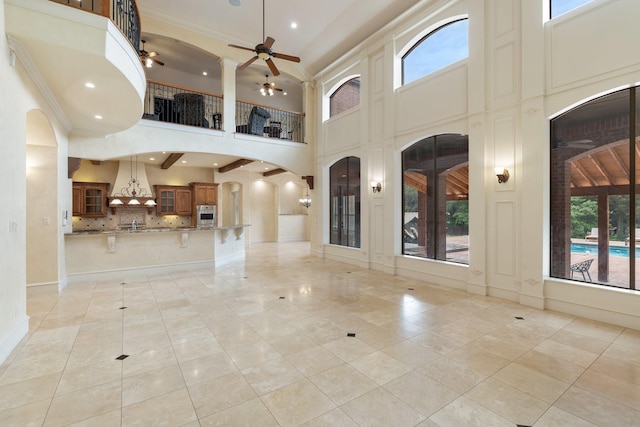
90 199
205 193
173 200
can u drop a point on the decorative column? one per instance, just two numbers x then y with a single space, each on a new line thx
228 71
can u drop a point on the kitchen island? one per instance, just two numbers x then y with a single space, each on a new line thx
115 254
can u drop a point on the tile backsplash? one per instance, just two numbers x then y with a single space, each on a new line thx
125 216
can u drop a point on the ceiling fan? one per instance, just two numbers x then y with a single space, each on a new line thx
148 58
268 88
263 51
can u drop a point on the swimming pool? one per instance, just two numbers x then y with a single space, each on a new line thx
585 248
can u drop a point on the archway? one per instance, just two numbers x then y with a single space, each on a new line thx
42 201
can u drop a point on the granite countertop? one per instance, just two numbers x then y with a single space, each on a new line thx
152 230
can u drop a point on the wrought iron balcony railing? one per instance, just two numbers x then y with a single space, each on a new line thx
174 104
277 123
123 13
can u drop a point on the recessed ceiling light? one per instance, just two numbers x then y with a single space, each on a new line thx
98 116
90 85
215 164
184 161
152 158
204 73
234 2
284 93
294 25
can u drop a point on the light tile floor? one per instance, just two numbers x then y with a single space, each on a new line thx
265 343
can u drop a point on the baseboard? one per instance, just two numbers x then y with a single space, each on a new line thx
9 343
142 271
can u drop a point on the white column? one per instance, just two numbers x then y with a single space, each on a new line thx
228 71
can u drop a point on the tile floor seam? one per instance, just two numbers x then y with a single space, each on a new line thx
44 420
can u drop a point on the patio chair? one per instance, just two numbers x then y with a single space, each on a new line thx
582 267
626 240
593 235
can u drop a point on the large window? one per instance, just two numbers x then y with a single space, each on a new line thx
345 97
435 198
439 48
558 7
595 218
345 202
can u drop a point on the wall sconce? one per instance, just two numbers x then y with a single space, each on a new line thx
502 174
376 187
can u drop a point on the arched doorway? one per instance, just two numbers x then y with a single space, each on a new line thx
42 242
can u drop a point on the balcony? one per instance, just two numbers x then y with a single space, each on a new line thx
175 104
83 56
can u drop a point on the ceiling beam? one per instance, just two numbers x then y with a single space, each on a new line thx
234 165
273 172
171 159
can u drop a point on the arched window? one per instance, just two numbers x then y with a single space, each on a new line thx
344 187
439 48
345 97
435 195
558 7
595 173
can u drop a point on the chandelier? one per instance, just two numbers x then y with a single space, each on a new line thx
306 200
133 190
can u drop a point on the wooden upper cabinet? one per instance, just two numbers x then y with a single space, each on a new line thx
183 201
205 193
173 200
90 199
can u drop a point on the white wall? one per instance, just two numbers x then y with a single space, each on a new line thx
18 87
520 72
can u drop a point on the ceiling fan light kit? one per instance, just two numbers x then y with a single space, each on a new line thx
268 88
148 58
263 51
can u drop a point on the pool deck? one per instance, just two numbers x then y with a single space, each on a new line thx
618 265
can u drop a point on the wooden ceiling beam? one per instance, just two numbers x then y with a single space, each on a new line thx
171 159
234 165
601 169
273 172
620 163
585 174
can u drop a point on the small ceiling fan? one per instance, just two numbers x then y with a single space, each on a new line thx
148 58
268 88
263 51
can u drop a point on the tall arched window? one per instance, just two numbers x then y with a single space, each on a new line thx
439 48
436 198
344 187
595 216
558 7
345 97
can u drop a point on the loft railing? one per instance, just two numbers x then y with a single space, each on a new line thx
175 104
123 13
282 124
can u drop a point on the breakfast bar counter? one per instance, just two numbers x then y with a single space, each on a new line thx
111 254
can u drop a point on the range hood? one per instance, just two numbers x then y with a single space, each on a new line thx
131 183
